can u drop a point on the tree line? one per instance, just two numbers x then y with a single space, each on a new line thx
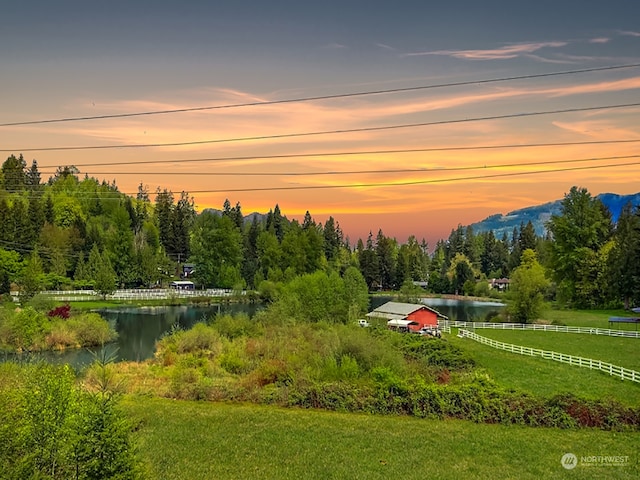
80 232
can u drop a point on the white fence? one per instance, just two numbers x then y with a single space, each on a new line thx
614 370
447 325
134 294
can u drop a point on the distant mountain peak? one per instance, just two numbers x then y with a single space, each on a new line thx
539 215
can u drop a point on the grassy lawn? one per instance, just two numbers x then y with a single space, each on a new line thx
624 352
199 440
546 377
589 318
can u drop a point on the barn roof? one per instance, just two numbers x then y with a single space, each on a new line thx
399 311
401 323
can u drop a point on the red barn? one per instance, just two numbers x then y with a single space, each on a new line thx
407 317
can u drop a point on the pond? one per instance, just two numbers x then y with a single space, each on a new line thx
456 310
139 328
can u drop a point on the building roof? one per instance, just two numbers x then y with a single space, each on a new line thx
401 323
398 311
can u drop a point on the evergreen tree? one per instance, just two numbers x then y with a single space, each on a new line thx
386 251
13 173
579 233
181 221
164 213
332 241
32 177
624 260
49 212
369 265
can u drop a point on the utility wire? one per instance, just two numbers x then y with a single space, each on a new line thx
416 182
333 154
321 97
383 184
357 172
329 132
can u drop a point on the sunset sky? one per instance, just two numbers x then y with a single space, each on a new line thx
70 59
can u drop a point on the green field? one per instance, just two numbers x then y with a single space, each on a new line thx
192 440
624 352
546 377
588 318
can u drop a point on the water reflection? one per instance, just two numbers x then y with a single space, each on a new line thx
138 331
456 310
140 328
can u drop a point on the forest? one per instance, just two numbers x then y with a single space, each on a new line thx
71 232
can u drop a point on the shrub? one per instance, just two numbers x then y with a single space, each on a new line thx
62 311
436 352
26 328
201 338
234 326
91 329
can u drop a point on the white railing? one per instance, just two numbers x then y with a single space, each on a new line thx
614 370
543 328
134 294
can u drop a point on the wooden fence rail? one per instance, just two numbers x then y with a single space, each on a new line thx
133 294
614 370
446 326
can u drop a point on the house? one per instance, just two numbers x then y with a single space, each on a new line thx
407 317
182 285
501 284
188 269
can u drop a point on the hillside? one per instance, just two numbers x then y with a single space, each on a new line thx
540 214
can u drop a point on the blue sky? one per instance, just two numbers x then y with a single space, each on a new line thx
66 59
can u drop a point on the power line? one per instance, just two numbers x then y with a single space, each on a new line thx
414 182
357 172
369 152
329 132
321 97
388 184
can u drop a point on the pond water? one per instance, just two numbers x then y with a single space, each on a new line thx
139 328
456 310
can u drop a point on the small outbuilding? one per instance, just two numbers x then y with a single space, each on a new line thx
407 317
182 285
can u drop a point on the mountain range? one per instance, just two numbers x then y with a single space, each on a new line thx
540 214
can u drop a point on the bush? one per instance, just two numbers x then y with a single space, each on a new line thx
63 311
50 428
25 329
201 338
436 352
91 329
234 326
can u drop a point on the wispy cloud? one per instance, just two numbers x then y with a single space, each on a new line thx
502 53
629 33
384 46
599 40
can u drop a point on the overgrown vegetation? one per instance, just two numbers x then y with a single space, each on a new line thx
347 368
51 428
29 329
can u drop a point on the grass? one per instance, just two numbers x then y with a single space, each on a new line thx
588 318
192 440
545 377
624 352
